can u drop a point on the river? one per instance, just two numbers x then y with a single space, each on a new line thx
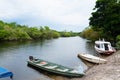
14 55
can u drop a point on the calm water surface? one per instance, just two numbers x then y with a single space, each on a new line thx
14 55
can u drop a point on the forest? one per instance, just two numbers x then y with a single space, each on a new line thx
104 22
15 32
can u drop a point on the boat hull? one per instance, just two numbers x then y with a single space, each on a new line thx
60 70
91 58
5 73
105 51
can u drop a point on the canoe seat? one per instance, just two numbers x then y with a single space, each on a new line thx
36 60
51 67
42 63
74 71
63 70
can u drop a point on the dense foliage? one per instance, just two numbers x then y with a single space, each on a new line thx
13 31
106 18
68 34
90 34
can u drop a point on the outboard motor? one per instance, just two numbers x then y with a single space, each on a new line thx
31 58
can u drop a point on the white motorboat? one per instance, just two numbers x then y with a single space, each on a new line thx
104 47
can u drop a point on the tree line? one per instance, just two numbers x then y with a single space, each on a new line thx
13 31
105 21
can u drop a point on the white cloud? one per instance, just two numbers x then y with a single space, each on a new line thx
64 12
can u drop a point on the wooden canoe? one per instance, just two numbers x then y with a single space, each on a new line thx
91 58
54 68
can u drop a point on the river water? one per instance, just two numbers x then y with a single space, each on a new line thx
14 55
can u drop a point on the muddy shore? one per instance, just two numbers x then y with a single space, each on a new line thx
108 71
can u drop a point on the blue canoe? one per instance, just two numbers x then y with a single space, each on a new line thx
5 73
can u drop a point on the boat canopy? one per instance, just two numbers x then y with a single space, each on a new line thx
102 42
5 73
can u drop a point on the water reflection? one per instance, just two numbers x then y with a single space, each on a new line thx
14 55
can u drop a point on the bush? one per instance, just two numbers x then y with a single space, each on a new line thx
118 42
90 34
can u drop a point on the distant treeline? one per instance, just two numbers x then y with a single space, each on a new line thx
12 31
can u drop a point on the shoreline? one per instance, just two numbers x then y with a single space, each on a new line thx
107 71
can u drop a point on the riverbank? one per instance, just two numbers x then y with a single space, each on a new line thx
108 71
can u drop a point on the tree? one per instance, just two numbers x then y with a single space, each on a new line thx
1 24
34 33
90 34
106 18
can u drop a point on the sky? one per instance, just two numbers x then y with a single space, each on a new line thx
60 15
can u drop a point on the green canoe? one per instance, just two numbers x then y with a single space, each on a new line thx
54 68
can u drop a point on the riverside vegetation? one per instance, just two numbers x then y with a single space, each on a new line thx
104 22
15 32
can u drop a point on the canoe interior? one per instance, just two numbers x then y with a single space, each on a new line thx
53 68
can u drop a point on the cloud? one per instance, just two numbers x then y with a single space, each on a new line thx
61 12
